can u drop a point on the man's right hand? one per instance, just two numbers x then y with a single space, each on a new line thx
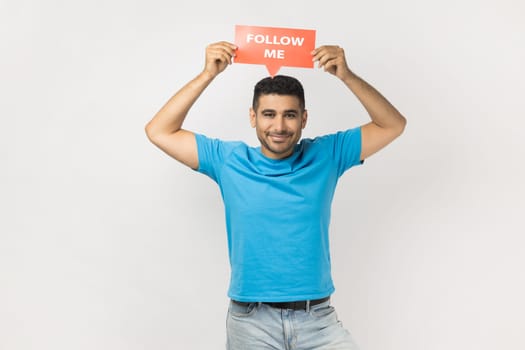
218 56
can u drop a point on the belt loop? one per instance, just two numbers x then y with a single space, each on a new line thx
259 305
308 306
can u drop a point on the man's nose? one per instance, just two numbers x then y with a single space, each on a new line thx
279 123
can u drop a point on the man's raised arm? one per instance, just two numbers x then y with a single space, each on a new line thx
165 129
387 123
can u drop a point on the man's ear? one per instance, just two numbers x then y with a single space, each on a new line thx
252 117
304 119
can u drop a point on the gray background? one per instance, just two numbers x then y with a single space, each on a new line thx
107 243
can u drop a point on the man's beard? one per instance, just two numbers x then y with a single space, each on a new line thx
279 151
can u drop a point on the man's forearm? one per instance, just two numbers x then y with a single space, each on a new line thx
170 117
380 110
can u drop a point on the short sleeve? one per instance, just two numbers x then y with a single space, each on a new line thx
347 149
210 152
213 154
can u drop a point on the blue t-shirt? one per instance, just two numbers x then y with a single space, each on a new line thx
278 213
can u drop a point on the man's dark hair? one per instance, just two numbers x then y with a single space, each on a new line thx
279 85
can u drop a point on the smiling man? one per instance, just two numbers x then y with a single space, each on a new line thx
278 115
277 199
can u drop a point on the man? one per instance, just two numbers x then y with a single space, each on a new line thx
277 199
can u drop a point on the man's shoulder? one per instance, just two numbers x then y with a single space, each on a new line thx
208 139
320 139
330 136
218 145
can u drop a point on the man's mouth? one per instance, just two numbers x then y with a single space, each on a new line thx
279 137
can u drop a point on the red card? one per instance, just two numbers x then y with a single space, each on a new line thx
274 47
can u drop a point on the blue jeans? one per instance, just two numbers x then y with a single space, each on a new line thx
258 326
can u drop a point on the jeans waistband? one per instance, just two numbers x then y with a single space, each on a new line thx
292 305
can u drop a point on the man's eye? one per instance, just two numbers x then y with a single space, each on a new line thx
290 116
268 115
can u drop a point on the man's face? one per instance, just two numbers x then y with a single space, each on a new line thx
278 122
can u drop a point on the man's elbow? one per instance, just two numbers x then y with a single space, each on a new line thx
150 132
401 125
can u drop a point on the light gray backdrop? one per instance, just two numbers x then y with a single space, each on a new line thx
107 243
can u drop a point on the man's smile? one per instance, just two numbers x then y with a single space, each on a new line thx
279 137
